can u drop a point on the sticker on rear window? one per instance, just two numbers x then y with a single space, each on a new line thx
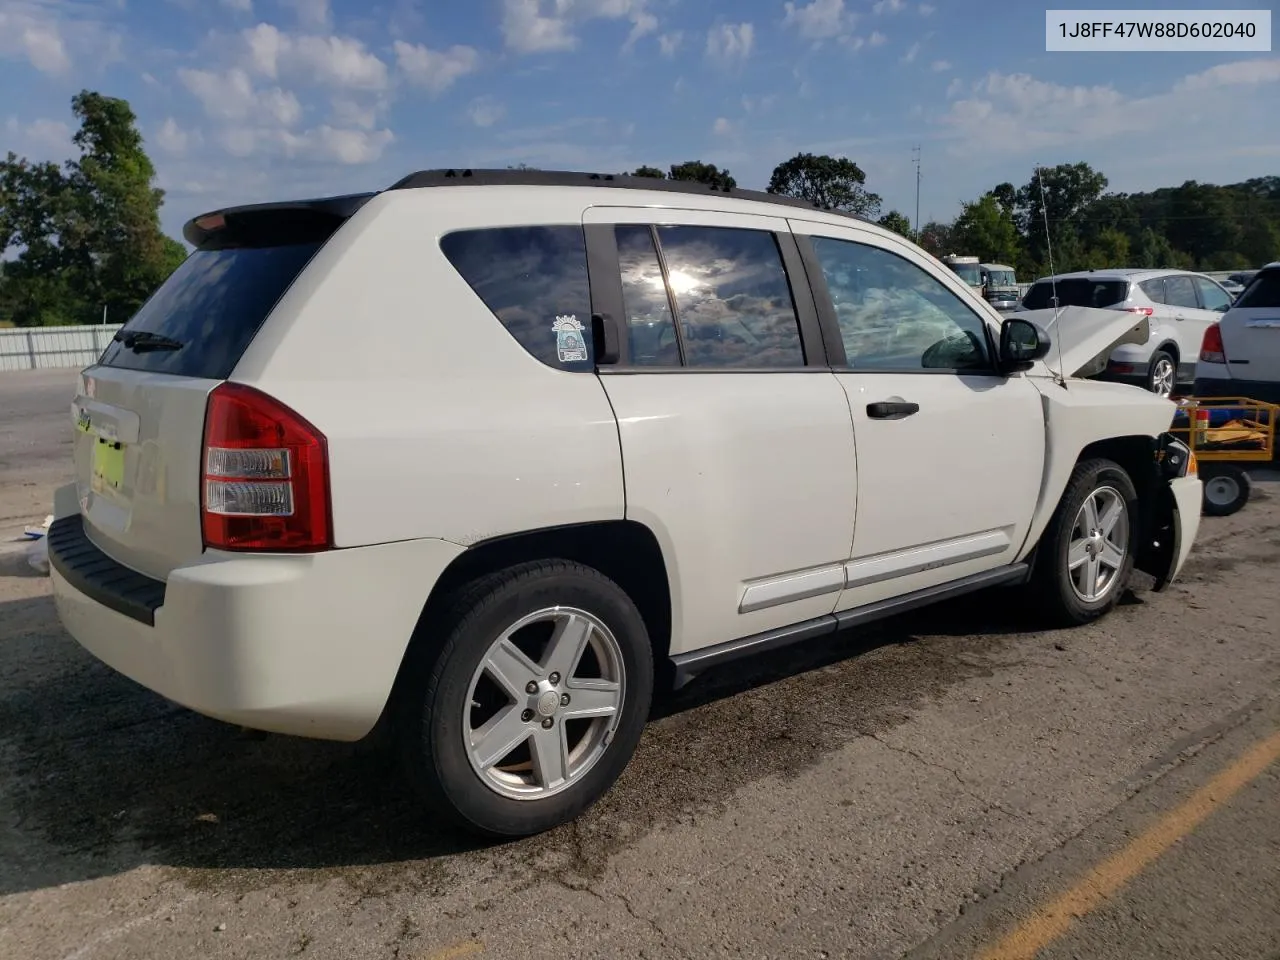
570 345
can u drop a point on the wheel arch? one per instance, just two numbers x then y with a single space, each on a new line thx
625 551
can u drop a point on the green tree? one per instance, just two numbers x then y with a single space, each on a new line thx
829 183
89 233
898 223
1065 192
701 172
1109 250
653 172
935 237
984 230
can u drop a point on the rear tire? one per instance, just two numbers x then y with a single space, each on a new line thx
1226 489
534 703
1086 554
1162 374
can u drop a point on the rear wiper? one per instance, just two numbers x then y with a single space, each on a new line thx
139 340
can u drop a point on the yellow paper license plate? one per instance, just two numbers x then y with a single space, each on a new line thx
108 465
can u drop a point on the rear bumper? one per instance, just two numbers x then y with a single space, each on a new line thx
307 645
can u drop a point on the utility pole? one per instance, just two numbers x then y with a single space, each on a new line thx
915 156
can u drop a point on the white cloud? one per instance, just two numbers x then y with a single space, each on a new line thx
753 105
342 62
350 146
731 43
722 127
669 43
57 38
43 137
927 9
1035 114
435 70
172 139
485 111
348 112
643 23
877 39
546 26
940 66
310 13
888 6
954 88
819 19
240 6
232 96
913 51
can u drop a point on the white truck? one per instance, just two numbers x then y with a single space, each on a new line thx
478 459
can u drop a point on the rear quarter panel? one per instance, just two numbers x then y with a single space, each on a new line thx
439 423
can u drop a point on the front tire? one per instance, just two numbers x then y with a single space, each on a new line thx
534 703
1086 555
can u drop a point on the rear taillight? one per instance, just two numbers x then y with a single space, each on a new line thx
265 475
1211 349
1145 311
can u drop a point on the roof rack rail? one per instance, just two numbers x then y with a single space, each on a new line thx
462 177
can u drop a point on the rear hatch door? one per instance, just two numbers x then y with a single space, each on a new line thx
139 411
1251 329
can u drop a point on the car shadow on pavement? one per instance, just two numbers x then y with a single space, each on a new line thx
101 776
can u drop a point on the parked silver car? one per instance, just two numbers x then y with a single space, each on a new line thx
1180 304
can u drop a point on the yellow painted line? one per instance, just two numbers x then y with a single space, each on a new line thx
468 948
1051 921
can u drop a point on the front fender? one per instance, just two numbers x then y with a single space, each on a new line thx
1171 518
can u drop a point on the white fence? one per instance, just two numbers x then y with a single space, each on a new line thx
39 348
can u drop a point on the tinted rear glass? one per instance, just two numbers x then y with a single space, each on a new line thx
214 305
534 280
1263 291
1076 293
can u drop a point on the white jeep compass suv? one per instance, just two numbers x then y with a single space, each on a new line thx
474 458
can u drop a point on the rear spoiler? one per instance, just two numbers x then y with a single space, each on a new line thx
272 224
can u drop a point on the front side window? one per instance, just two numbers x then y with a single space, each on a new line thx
1212 296
732 297
534 280
894 316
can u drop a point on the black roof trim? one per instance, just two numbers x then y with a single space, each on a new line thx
461 177
314 212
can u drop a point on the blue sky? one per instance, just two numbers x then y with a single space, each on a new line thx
245 100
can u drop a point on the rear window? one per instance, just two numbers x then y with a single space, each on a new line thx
1076 292
534 280
212 306
1263 291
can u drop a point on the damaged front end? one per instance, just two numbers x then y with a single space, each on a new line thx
1165 538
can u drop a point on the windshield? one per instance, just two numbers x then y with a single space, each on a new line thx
1002 278
968 272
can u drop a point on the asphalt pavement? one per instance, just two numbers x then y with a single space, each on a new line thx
949 784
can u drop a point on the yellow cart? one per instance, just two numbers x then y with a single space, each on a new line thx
1226 434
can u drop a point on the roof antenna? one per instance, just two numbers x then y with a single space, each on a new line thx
1060 374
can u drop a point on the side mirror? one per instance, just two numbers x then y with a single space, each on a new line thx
1022 343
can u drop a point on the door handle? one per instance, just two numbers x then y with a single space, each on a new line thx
891 409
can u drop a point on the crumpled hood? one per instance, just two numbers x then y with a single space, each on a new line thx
1083 337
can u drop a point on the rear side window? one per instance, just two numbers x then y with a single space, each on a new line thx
209 310
1154 289
1263 291
534 280
1076 292
1180 292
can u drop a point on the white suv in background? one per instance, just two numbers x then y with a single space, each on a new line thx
479 459
1240 354
1181 305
